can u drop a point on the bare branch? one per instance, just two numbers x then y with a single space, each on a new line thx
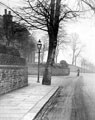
22 18
92 7
69 15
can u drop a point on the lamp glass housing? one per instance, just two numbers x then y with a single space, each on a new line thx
39 45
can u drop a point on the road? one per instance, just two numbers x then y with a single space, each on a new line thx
76 100
87 102
60 108
85 98
89 94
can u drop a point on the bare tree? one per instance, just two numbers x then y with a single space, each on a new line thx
46 15
87 66
62 42
76 47
78 53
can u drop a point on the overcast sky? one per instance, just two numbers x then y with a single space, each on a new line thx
85 28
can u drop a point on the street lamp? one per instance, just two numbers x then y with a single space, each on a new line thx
39 45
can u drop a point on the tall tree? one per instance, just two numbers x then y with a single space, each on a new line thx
76 47
46 15
62 42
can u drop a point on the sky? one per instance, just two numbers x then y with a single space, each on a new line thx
84 27
86 30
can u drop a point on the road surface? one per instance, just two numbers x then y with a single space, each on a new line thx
76 100
89 94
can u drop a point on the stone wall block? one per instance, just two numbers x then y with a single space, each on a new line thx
12 78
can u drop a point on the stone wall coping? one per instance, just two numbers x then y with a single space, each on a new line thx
13 66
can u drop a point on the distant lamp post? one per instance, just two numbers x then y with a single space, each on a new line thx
39 45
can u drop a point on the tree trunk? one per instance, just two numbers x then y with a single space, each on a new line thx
48 68
56 55
73 58
42 55
53 27
55 58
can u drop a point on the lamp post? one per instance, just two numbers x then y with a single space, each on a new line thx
39 45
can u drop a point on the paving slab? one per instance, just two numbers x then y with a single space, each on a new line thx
25 103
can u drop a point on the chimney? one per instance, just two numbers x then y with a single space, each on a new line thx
9 13
5 11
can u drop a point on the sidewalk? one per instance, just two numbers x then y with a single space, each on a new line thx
25 103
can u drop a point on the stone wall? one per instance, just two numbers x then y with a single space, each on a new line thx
12 77
56 71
